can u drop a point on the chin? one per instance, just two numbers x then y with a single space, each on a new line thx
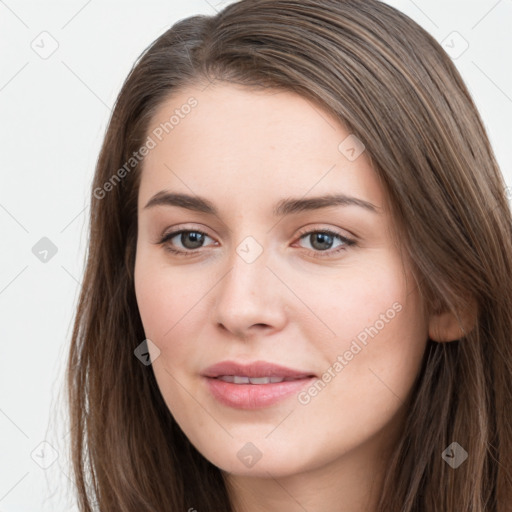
257 460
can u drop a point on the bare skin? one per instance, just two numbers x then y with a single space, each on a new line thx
245 151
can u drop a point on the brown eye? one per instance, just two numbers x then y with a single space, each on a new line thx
323 240
194 238
189 239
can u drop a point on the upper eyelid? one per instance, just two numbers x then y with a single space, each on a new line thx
301 231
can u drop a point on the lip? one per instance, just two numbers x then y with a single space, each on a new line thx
254 396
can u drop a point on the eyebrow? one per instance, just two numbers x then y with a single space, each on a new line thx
282 208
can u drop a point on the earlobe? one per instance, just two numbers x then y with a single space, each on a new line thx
446 326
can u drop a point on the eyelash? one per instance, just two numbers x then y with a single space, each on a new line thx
347 242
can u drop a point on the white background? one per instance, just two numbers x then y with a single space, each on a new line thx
53 115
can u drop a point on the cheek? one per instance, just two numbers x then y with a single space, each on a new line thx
369 366
166 299
172 303
377 340
375 304
163 295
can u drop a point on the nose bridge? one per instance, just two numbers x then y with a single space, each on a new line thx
247 294
248 264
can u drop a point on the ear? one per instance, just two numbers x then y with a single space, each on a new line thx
446 326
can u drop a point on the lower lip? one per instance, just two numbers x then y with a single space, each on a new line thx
254 396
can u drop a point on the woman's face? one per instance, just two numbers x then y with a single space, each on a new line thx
273 282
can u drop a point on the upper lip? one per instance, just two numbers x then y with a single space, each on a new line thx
254 369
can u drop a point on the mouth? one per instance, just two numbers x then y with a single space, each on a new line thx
255 385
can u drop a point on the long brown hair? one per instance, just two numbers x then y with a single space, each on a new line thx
393 86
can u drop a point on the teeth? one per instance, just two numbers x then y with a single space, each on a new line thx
227 378
259 380
237 379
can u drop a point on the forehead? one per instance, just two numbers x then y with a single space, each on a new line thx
261 144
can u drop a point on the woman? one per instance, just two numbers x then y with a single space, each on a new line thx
218 363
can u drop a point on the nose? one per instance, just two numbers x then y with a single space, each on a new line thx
250 299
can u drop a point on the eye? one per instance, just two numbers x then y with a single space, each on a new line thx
190 240
321 241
